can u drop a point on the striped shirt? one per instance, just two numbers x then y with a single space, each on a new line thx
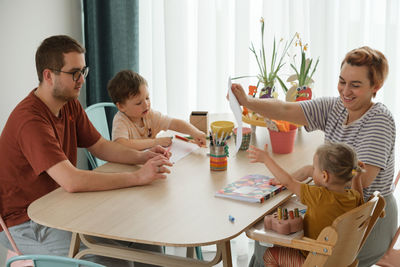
372 136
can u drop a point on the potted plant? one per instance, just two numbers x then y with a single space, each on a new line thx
268 73
302 79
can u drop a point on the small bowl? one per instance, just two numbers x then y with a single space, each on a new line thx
222 127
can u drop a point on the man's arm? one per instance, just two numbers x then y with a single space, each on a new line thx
141 144
75 180
115 152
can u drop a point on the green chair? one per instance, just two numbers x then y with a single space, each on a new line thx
53 261
100 115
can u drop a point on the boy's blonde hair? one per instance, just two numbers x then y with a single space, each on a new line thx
338 159
124 85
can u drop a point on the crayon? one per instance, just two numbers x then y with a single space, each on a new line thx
291 215
279 213
182 138
296 213
168 150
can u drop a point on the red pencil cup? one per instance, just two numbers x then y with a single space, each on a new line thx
283 142
218 158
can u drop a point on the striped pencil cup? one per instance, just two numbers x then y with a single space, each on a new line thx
218 158
246 136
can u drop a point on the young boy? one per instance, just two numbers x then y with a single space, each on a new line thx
334 166
136 125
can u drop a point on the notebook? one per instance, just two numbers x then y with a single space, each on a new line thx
250 188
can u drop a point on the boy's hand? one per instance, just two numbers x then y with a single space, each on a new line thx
258 155
154 169
200 139
163 141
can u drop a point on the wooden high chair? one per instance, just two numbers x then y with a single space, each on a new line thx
336 245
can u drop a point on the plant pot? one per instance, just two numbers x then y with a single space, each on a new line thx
267 91
283 142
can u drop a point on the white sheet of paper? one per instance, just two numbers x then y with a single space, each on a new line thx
237 112
181 149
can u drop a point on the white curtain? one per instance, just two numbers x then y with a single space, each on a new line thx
188 48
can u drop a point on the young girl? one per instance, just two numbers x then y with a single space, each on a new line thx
136 125
334 166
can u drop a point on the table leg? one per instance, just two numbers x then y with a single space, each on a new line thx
74 246
225 248
150 257
189 252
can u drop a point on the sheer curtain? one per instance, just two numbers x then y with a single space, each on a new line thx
188 49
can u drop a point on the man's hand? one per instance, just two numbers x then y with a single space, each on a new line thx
153 152
154 169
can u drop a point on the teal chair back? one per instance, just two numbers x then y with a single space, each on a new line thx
53 261
100 115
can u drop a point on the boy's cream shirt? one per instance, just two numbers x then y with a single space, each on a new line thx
154 122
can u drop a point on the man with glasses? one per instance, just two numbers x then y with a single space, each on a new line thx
38 150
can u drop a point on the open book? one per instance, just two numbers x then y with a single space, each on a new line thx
250 188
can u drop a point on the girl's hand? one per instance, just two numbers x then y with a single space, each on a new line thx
258 155
163 141
274 181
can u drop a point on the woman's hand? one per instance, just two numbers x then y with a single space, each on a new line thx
240 94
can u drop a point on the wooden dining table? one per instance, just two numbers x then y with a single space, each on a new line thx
179 211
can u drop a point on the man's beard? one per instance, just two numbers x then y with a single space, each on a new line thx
60 93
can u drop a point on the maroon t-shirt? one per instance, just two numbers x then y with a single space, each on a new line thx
32 141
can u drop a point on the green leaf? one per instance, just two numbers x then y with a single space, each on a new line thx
285 89
297 73
302 66
312 73
245 76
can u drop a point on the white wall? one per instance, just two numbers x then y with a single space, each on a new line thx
24 25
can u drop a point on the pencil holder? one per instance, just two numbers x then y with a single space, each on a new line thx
246 136
218 157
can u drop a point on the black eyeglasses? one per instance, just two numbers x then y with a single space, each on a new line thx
76 75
